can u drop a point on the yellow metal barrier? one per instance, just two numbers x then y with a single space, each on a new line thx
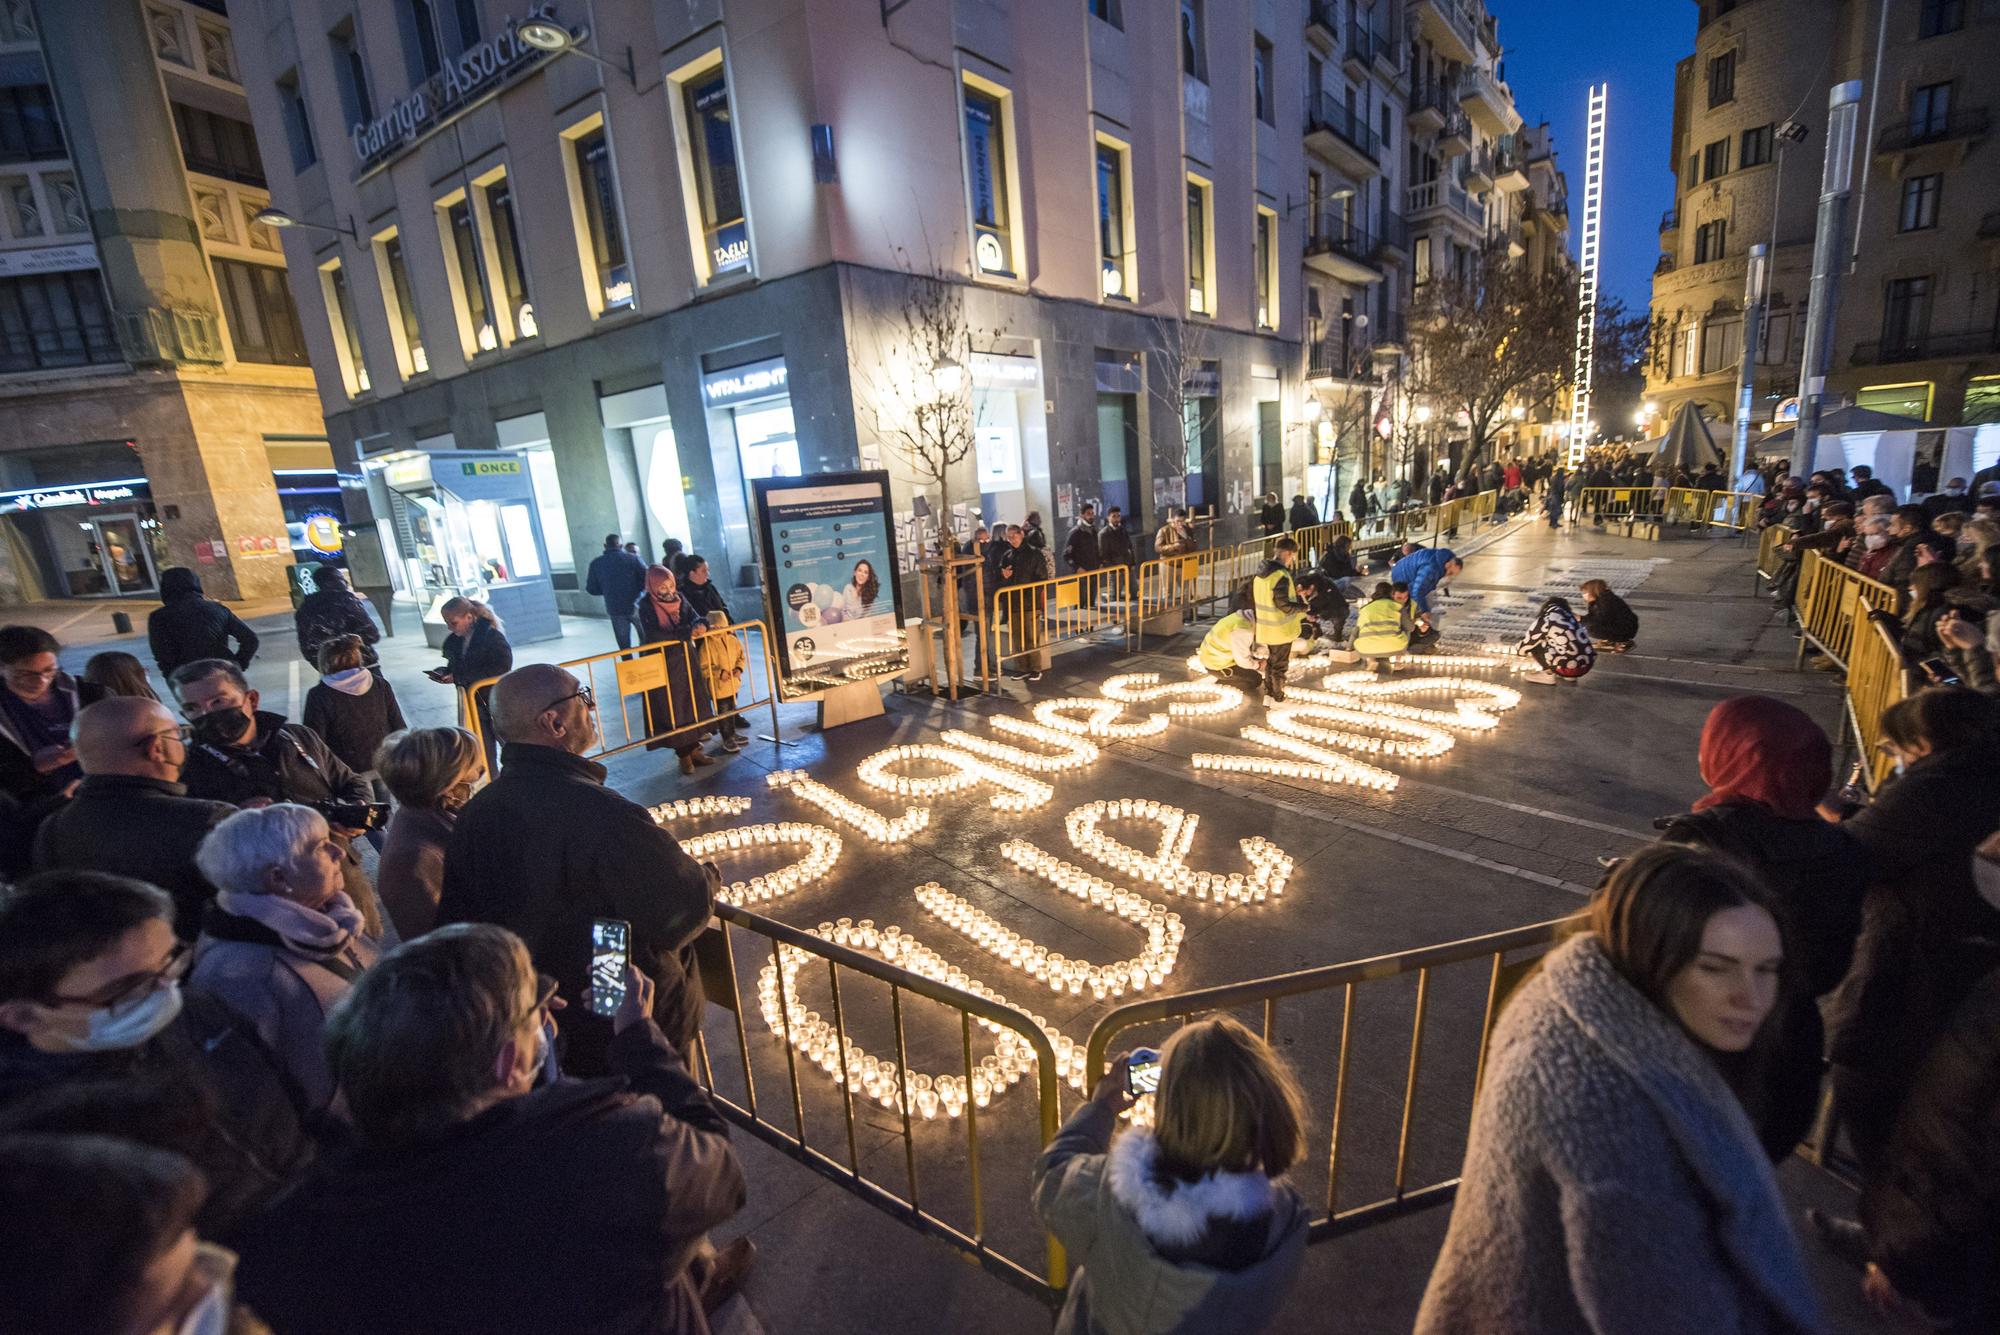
1391 1161
1833 603
1030 618
1770 561
783 957
634 702
1876 679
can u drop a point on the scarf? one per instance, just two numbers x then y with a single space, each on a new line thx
1757 749
354 681
669 610
317 934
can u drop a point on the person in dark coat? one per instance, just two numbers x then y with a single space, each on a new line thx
1337 561
249 756
1270 515
353 707
1767 765
1019 564
38 702
1080 548
547 847
431 772
477 1199
98 1036
1032 534
333 609
131 816
1359 505
675 711
1302 514
1612 623
700 590
618 577
475 651
1553 499
187 625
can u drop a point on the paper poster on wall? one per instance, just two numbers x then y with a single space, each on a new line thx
830 557
998 450
1065 501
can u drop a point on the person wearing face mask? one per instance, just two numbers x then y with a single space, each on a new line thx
101 1240
476 650
131 816
431 773
98 1035
1877 548
1952 500
1612 1180
478 1200
675 712
282 942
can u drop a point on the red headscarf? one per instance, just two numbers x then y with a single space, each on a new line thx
1757 749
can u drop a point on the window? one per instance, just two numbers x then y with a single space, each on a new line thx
1775 345
520 311
298 126
1920 202
263 321
1906 316
986 176
1930 110
712 141
1693 177
1756 150
1113 228
1908 400
217 145
1938 17
351 74
1420 260
1265 257
1982 400
28 125
405 333
1194 53
1715 160
1264 81
55 319
1201 298
346 335
1721 344
1315 193
421 43
1722 79
1708 241
474 297
1688 342
1107 10
465 15
603 238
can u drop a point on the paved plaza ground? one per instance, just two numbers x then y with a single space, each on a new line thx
1501 832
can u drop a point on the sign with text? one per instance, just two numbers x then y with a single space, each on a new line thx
467 78
739 384
647 672
830 577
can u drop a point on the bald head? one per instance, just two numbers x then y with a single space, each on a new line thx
541 704
124 734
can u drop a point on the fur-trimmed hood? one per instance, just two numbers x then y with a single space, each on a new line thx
1178 1215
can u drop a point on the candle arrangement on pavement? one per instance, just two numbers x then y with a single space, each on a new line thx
1017 791
870 822
695 808
822 851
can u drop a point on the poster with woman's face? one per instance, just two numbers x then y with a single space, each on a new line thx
831 561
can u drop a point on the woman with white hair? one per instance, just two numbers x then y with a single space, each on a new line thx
282 941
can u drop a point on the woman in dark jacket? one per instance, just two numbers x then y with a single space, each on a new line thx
1928 586
1612 623
1767 765
666 616
188 626
1337 561
475 650
700 590
353 707
333 609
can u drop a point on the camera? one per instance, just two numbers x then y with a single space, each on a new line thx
353 815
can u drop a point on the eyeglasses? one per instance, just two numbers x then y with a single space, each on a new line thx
183 731
129 992
25 675
545 992
583 693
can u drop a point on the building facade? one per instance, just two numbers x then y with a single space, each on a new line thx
1917 326
156 403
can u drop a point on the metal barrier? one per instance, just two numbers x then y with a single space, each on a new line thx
1030 618
1502 977
1876 679
781 955
646 672
1703 509
1770 561
1832 603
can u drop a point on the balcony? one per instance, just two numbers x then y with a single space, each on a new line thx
1341 136
1336 247
1445 199
1509 175
1478 175
1455 139
1323 24
1670 222
1430 107
1452 28
1349 359
1488 101
1927 347
1388 333
1665 264
1392 237
1360 58
1966 123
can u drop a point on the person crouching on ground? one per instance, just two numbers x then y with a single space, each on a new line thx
1612 623
1189 1226
1230 654
1559 643
722 660
1382 630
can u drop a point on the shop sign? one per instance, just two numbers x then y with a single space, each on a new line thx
490 468
478 70
1203 384
408 472
757 380
56 497
994 367
322 530
47 259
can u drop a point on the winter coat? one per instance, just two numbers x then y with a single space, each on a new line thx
332 610
129 825
1080 548
1338 563
1018 566
704 598
205 1086
574 1207
1169 541
1220 1253
618 577
1565 644
18 775
683 702
187 627
353 711
1358 502
410 876
1612 1183
1422 570
1932 1207
1270 518
1611 619
281 993
1114 546
545 848
477 656
722 663
1301 515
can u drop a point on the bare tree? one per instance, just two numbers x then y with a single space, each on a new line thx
1177 350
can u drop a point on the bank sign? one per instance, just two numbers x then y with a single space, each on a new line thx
473 73
56 498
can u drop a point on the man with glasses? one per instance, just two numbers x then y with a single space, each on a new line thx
38 702
97 1035
547 847
131 816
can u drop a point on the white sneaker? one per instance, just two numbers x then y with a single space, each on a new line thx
1541 678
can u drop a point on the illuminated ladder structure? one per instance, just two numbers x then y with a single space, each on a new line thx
1586 284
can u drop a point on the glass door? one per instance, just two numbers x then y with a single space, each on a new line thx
121 551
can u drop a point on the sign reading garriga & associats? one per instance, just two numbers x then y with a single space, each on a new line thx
474 72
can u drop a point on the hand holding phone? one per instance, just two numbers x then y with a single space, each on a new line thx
1142 1072
610 964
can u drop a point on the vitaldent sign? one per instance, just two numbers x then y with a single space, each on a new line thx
475 71
758 380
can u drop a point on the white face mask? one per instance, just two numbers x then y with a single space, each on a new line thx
1875 542
1954 491
108 1030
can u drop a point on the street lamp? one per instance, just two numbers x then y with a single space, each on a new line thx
947 376
552 37
1423 414
280 219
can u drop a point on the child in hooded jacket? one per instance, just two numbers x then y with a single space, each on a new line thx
722 661
1559 643
352 708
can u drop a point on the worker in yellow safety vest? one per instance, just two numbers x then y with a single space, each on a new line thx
1230 653
1382 630
1280 616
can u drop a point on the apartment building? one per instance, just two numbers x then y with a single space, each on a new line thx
156 405
1917 327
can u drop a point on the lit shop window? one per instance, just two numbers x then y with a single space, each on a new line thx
346 334
1114 219
724 232
987 145
600 232
404 332
1201 293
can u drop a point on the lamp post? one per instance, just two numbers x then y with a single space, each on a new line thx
281 220
552 37
1756 286
1836 179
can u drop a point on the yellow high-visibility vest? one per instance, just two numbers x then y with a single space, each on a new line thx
1217 653
1274 624
1379 628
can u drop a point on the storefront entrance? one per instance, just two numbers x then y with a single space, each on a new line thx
102 556
749 418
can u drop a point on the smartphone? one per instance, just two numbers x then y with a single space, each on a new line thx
1142 1071
610 954
1939 672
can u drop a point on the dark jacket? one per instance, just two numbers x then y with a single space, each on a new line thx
1080 548
410 876
18 775
618 577
482 654
1271 518
1114 545
353 726
1902 565
572 1208
188 627
1338 563
333 609
545 848
204 1086
1301 515
1359 503
1611 618
684 701
705 598
139 827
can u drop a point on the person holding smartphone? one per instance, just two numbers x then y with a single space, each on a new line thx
1188 1226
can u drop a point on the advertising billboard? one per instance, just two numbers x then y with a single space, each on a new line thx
830 571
